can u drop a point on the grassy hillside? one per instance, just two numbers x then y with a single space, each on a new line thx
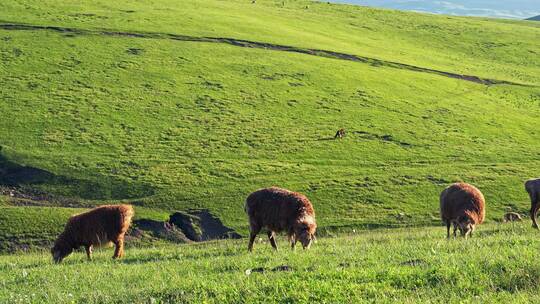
498 265
506 49
128 101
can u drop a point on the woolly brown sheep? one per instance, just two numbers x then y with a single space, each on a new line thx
99 226
340 133
279 210
532 187
462 205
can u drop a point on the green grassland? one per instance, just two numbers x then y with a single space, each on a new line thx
497 265
175 105
168 124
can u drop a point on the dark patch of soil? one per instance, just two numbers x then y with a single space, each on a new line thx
151 225
282 268
157 229
201 225
385 137
263 269
212 85
437 181
184 227
88 16
134 51
414 262
261 45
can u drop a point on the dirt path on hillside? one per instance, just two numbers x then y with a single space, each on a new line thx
259 45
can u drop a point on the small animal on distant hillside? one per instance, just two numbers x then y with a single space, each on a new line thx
279 210
511 217
340 133
462 205
532 187
97 227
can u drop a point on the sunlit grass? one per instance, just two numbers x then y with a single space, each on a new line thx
404 265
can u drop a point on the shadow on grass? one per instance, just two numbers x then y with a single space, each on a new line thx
326 139
151 259
33 183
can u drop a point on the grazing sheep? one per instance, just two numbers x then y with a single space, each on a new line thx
340 133
99 226
511 217
279 210
462 205
533 188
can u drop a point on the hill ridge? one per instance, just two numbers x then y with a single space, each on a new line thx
260 45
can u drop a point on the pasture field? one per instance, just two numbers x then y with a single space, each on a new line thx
173 105
498 265
128 102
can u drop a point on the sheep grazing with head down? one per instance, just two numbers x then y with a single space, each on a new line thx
97 227
280 210
532 187
462 205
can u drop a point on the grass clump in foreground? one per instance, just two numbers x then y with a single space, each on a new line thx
406 265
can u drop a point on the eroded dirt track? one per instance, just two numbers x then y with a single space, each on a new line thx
255 44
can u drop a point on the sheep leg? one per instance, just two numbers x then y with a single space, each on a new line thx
455 229
531 212
293 242
534 210
448 229
88 251
252 235
119 250
272 238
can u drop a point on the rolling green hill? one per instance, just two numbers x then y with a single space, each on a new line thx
173 105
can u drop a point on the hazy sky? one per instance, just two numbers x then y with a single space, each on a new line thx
518 9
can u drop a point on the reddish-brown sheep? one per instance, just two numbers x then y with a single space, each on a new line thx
279 210
97 227
532 187
462 205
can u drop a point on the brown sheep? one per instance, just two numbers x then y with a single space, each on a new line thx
511 217
99 226
340 133
462 205
532 187
279 210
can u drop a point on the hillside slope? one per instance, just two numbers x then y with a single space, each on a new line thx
484 47
176 105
